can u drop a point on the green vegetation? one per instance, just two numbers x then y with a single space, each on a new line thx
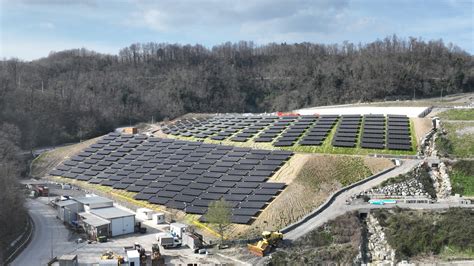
459 140
336 242
462 178
219 213
413 233
458 114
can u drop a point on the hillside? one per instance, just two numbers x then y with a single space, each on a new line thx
78 94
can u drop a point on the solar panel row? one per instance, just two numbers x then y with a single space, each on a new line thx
287 131
181 174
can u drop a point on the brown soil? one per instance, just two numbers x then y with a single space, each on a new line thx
377 164
422 126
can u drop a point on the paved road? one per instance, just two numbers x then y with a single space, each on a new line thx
49 235
339 206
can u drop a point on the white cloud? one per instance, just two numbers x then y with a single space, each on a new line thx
254 17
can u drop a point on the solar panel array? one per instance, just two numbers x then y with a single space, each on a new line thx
398 133
347 131
180 174
318 132
287 131
373 132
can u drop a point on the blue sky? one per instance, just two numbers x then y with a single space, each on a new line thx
30 29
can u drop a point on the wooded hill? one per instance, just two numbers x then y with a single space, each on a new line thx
79 93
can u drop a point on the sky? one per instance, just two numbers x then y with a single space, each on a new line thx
31 29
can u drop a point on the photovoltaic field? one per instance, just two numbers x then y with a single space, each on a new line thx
189 175
181 174
390 132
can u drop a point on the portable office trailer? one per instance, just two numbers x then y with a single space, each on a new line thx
68 260
159 218
67 211
178 229
144 214
192 241
133 258
121 222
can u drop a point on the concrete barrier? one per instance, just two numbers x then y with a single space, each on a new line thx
330 200
22 243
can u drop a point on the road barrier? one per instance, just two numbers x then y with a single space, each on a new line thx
330 200
22 242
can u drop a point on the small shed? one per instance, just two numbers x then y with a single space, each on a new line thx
133 257
130 130
121 222
67 211
192 241
144 214
94 226
159 218
68 260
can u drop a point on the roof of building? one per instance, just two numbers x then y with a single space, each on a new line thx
111 213
91 200
66 203
178 225
92 219
68 257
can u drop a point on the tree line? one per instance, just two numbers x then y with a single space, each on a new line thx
78 94
12 212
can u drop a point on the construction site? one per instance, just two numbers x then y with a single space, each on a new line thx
141 196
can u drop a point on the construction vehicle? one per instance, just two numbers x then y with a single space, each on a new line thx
268 242
156 257
110 255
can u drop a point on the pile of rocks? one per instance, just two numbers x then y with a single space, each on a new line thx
380 252
441 181
411 187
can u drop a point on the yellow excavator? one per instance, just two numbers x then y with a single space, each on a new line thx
264 246
110 255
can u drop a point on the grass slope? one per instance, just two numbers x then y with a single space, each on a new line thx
459 140
462 177
458 114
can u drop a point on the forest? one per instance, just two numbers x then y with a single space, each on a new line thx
78 94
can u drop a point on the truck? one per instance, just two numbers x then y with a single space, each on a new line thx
41 190
166 240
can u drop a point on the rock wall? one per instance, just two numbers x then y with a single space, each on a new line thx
441 181
379 251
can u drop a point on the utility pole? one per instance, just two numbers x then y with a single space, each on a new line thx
52 242
441 94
